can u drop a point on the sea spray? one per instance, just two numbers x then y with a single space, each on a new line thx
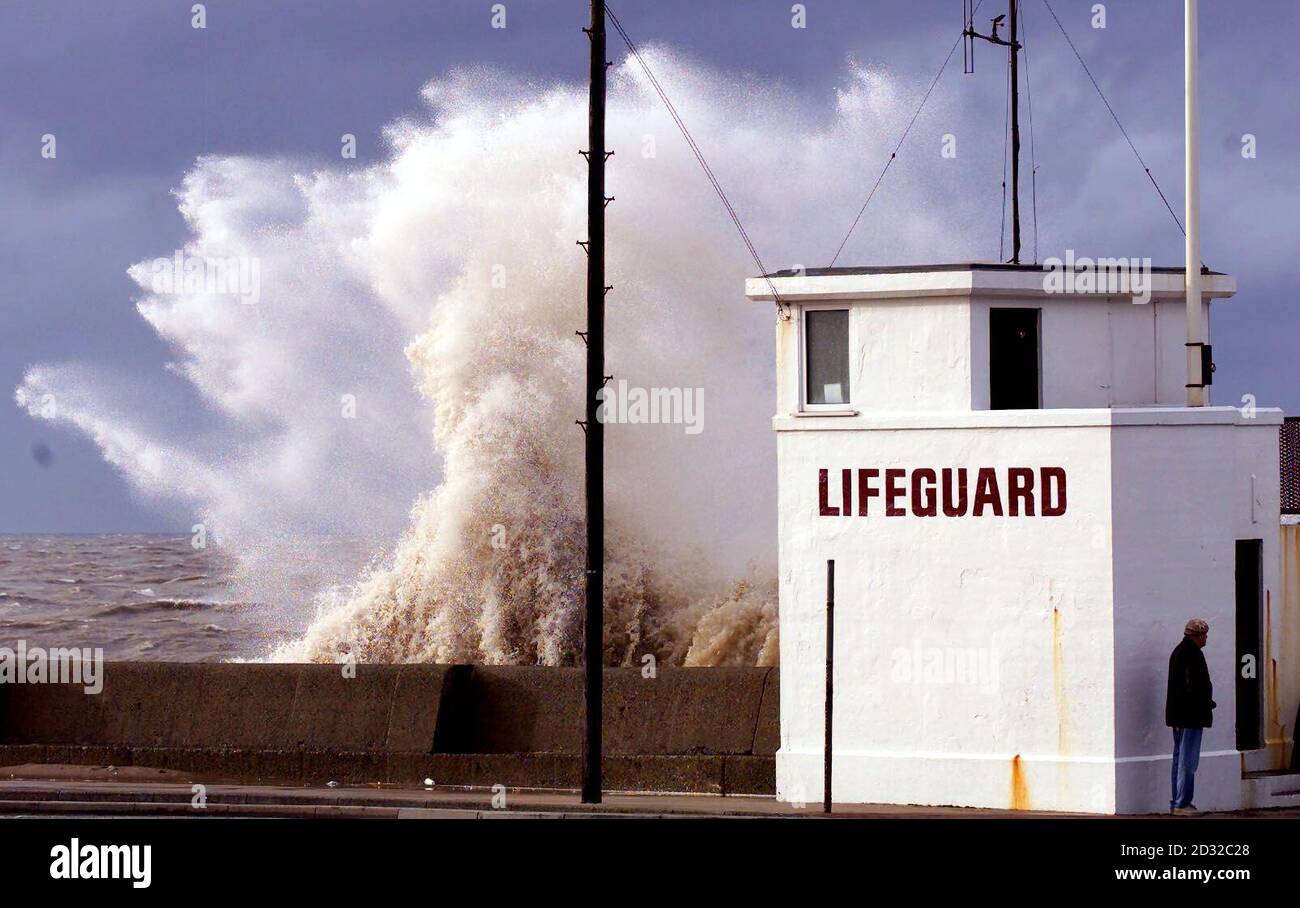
299 416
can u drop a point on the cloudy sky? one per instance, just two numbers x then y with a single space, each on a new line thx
134 95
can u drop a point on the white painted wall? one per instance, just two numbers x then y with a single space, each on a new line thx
1030 594
1181 500
1096 352
1078 613
899 345
894 348
932 353
921 341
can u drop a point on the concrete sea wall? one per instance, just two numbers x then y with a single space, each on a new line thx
687 730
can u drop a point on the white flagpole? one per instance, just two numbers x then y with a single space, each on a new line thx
1196 393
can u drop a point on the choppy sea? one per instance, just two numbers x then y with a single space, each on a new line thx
145 597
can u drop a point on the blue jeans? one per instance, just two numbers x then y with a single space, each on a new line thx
1187 756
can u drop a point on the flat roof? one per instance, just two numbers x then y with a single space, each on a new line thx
995 279
1047 417
951 266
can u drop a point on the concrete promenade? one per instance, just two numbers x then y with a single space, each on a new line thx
62 790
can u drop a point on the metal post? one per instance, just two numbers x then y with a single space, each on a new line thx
830 683
1196 396
593 644
1015 134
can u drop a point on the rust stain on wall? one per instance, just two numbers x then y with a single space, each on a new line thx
1058 685
1019 787
1275 731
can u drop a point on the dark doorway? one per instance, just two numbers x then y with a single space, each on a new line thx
1250 658
1013 359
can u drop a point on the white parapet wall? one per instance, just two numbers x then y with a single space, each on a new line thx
1007 647
1183 494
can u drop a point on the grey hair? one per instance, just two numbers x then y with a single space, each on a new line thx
1196 627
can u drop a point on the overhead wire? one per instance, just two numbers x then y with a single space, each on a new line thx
699 155
902 139
1114 116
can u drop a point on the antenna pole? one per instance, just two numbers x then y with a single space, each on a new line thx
1015 133
594 630
1012 44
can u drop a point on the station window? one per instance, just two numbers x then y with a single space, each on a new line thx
826 357
1013 359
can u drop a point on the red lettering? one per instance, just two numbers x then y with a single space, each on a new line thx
986 493
920 492
865 490
1053 505
893 491
823 492
1021 482
950 509
923 496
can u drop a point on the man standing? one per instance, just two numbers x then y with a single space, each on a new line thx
1189 708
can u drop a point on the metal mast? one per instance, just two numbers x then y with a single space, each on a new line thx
1012 43
1015 135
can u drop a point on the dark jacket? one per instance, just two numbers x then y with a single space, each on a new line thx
1189 702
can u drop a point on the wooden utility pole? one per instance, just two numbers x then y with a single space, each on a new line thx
594 623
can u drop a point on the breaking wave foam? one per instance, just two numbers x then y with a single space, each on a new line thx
439 291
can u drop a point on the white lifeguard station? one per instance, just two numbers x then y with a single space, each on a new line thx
1023 512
